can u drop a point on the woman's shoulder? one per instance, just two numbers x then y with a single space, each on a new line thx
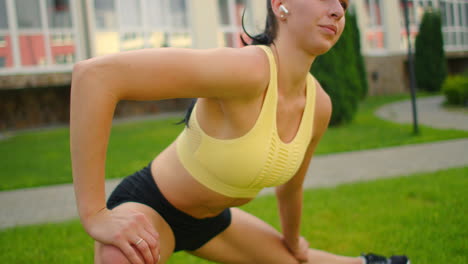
256 62
251 70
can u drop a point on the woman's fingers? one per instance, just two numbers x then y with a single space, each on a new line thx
139 239
152 238
153 241
131 253
136 237
148 247
145 251
131 232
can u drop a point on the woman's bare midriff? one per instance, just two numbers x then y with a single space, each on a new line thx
186 193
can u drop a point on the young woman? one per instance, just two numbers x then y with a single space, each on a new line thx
256 123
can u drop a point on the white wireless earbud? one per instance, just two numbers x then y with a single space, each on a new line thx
284 9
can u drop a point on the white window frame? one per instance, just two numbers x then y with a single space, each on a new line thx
14 32
456 29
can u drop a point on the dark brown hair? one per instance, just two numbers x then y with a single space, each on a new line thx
269 34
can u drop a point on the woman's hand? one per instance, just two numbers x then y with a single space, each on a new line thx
131 232
300 250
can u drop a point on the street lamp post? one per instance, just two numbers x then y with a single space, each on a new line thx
411 70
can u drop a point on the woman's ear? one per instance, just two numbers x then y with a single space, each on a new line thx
279 8
275 5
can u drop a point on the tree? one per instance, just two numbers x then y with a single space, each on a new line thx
429 62
341 75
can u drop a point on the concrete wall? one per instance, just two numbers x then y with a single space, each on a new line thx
37 107
386 74
389 74
21 81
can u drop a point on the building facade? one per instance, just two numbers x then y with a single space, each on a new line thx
40 40
384 38
49 36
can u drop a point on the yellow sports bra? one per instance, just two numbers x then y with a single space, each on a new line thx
241 167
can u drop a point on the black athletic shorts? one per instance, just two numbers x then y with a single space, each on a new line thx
190 233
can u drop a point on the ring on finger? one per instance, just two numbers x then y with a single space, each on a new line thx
139 241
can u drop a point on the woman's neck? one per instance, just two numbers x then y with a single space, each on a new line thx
293 65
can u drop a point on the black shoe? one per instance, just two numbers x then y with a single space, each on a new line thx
376 259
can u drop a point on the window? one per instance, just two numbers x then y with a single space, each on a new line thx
31 36
32 49
178 11
454 14
59 14
6 53
130 16
451 15
158 22
224 14
460 22
43 33
62 39
374 32
443 13
416 10
157 18
135 24
62 45
105 14
465 26
28 14
230 21
466 14
3 15
6 56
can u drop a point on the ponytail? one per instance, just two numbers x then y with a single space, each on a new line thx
269 34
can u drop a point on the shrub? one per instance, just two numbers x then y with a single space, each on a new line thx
338 73
456 90
430 62
361 66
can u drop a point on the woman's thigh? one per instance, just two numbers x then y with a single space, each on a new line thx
247 240
166 237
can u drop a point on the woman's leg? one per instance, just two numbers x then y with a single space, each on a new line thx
110 254
250 240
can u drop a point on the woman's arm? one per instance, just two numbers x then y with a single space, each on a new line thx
154 74
99 83
290 195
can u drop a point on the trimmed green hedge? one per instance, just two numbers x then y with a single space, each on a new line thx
455 89
430 61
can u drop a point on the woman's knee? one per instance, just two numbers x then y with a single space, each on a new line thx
107 254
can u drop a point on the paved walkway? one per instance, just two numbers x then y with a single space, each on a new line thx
57 203
430 113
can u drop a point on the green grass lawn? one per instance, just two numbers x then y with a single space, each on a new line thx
43 158
368 131
423 216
